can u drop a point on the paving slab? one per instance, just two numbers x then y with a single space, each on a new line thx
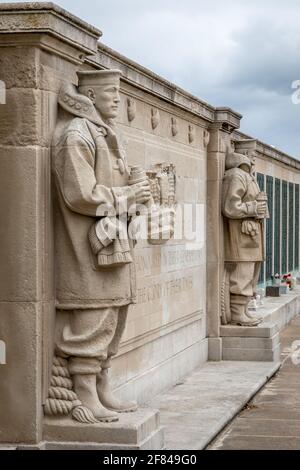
194 411
261 443
272 419
266 427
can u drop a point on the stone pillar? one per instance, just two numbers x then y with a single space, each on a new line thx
40 46
226 121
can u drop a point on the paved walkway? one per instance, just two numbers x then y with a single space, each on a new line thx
272 419
194 411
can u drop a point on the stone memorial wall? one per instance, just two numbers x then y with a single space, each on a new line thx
175 325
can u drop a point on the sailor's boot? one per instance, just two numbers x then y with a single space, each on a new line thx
85 389
108 399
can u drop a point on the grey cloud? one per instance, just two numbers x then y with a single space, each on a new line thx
239 54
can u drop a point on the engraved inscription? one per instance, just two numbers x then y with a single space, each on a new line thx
167 260
165 289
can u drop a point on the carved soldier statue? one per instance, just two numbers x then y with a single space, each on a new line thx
95 279
243 207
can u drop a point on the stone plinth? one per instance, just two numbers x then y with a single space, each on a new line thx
140 430
259 343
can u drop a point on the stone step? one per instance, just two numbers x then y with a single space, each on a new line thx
260 343
251 342
251 354
138 430
264 330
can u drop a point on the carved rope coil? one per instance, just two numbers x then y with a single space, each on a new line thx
223 303
61 382
225 308
59 371
62 394
59 361
53 406
62 399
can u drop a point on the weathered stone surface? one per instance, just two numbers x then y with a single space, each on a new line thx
261 443
264 330
153 382
251 343
153 442
20 117
19 67
144 353
272 419
132 431
251 354
21 377
23 230
199 406
215 349
267 427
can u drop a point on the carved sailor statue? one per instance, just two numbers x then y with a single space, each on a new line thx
95 278
243 207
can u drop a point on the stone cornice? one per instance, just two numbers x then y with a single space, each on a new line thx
145 79
25 18
269 151
228 119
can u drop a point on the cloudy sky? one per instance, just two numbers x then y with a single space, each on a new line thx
237 53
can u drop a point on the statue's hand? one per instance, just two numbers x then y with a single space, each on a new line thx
262 208
142 191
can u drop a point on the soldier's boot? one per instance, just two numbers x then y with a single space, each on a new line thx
238 308
108 399
85 389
